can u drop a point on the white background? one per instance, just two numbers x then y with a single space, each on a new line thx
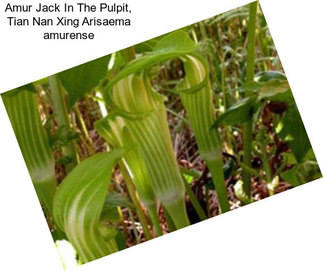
283 232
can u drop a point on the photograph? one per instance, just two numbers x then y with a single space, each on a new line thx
161 135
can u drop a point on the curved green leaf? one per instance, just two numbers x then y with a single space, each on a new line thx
79 202
173 45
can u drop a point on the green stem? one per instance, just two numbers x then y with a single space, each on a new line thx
129 53
155 220
88 140
134 199
62 119
247 129
216 169
180 219
251 50
170 222
212 55
197 206
134 228
249 169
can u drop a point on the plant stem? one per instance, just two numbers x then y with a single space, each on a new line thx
216 169
197 206
170 222
129 53
178 207
88 140
134 228
134 199
247 129
155 220
62 119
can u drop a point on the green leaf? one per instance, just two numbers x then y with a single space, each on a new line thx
148 45
309 171
173 45
177 41
290 176
190 173
294 133
121 240
269 85
112 201
269 76
302 173
240 194
58 235
274 86
240 112
228 170
13 92
81 79
79 201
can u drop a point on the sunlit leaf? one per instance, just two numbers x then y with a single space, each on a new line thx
170 46
78 205
79 80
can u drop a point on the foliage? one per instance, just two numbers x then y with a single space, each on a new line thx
162 134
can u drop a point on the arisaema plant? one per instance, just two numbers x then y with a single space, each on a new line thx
194 91
144 115
22 108
140 186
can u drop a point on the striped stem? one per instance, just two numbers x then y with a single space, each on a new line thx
250 71
22 109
